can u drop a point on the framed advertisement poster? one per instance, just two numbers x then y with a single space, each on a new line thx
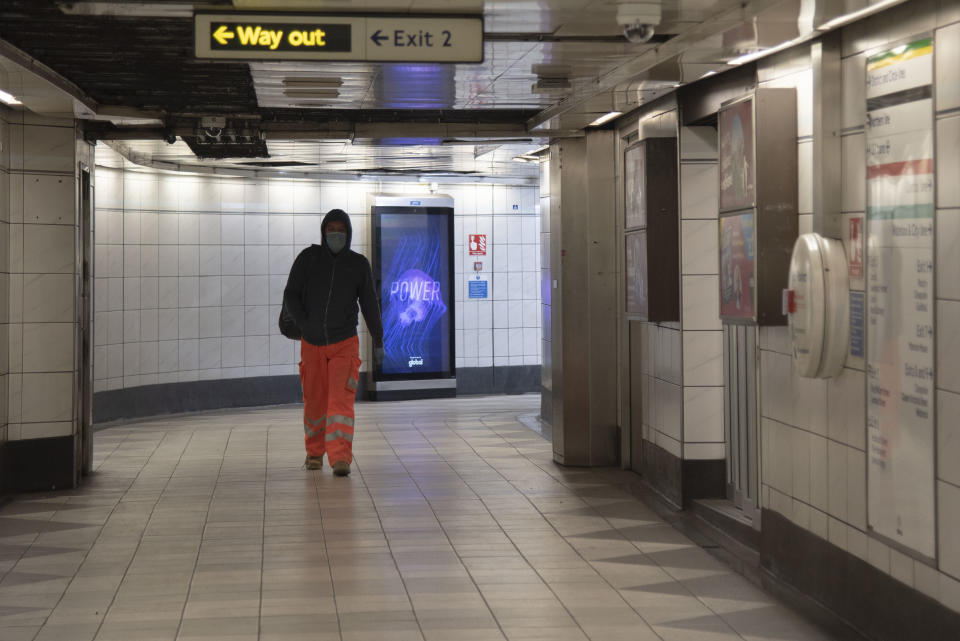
634 182
637 276
757 190
737 156
738 260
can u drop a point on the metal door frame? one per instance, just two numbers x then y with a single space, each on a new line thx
83 343
741 418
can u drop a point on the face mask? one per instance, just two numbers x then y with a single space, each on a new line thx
336 241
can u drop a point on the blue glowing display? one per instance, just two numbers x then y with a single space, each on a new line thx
415 291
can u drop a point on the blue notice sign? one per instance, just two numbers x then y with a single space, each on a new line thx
478 289
856 324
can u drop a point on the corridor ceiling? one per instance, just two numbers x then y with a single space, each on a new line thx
550 68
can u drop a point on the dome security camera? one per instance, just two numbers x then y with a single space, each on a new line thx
639 32
638 19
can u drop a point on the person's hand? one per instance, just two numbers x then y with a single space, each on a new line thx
378 354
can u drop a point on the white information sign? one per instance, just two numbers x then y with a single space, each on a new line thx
900 293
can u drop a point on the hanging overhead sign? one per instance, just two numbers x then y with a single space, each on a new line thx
361 38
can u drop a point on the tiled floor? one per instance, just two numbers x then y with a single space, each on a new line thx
455 525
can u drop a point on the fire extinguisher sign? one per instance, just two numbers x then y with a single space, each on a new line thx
478 244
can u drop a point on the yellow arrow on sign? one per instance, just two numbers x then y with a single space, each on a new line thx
222 34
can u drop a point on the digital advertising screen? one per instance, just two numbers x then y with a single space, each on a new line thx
413 264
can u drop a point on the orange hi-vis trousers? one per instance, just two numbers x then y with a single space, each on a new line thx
329 375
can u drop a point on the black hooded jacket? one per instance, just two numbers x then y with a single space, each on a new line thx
323 290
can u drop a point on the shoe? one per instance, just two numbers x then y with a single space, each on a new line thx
341 468
313 462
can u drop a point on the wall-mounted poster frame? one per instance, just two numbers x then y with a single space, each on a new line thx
738 265
901 343
651 205
634 185
737 155
758 190
636 277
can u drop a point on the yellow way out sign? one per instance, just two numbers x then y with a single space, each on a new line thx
368 38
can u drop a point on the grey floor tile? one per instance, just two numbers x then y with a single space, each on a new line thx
455 524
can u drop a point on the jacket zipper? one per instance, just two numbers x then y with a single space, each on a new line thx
326 310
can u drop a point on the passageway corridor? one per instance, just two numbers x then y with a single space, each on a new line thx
455 525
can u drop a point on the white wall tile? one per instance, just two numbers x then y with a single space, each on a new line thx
131 293
188 323
280 196
703 414
701 302
48 347
948 525
255 290
947 50
168 324
255 231
188 260
231 195
208 353
948 162
854 173
209 260
131 326
232 290
703 358
255 197
188 230
698 143
188 291
47 397
256 350
948 345
149 293
256 321
168 260
856 489
280 259
48 298
188 355
231 322
805 177
837 476
698 191
231 229
280 230
948 254
149 357
306 197
306 230
48 200
149 325
168 225
854 98
255 260
208 229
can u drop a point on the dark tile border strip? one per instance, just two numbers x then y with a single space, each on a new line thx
870 601
195 396
681 481
39 464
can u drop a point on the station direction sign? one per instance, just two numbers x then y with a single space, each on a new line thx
360 38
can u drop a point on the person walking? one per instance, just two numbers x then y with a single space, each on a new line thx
325 285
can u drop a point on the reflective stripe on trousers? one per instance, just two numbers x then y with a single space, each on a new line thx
329 375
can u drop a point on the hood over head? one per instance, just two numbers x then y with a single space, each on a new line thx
338 215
